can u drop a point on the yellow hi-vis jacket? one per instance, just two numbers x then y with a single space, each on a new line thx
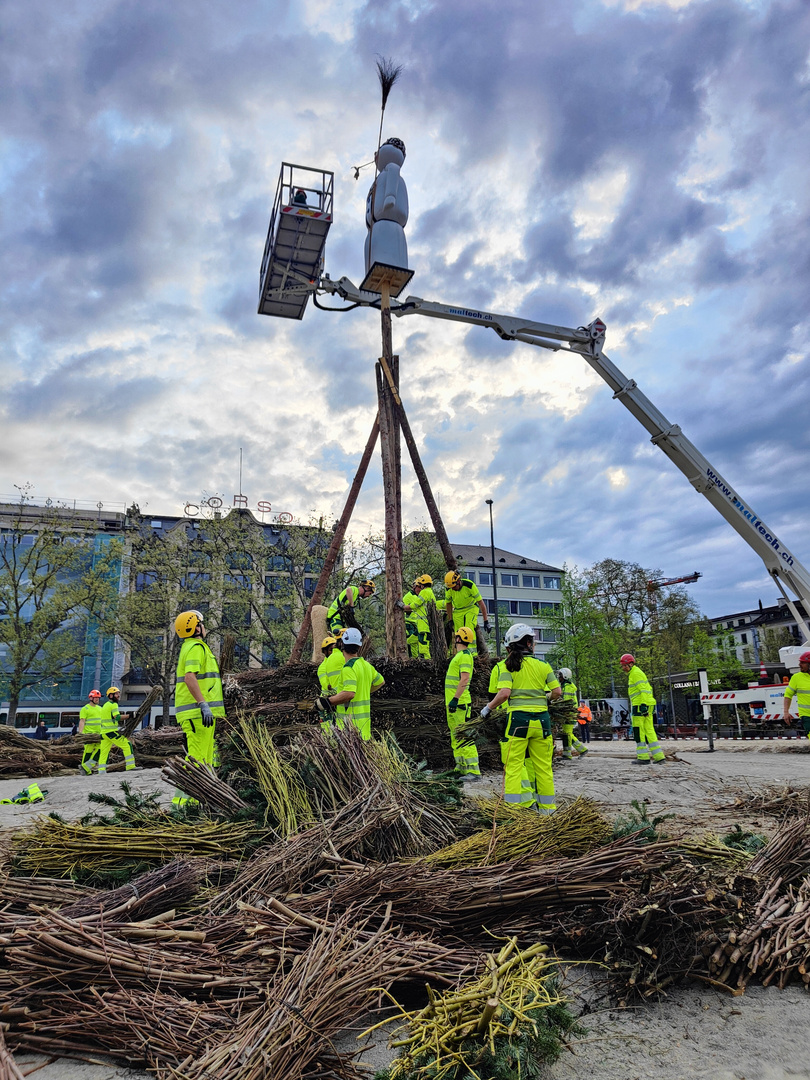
639 690
196 657
92 715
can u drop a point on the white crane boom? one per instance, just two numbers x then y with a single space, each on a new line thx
781 564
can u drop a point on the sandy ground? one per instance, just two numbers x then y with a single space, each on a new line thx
695 1031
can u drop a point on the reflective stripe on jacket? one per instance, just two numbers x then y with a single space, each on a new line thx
638 688
528 686
110 715
92 716
204 665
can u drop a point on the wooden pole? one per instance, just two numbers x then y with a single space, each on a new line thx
395 644
337 541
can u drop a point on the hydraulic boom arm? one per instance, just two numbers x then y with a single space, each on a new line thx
782 565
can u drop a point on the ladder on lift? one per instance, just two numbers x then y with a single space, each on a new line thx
293 253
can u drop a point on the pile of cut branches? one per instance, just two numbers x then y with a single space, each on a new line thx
516 833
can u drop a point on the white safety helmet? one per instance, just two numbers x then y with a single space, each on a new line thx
517 633
352 636
565 673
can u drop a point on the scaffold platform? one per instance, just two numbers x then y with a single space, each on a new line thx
293 253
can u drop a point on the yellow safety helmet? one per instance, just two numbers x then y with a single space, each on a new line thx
368 585
466 634
424 579
451 579
187 622
327 641
113 690
338 633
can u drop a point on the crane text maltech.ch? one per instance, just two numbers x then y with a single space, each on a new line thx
750 516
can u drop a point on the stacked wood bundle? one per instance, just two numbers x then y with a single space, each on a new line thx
411 703
772 941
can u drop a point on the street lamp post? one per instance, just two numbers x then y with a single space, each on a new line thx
494 581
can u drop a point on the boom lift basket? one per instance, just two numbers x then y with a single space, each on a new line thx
293 253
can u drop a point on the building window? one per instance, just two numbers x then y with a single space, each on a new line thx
549 635
730 624
510 579
744 639
531 581
550 605
490 603
484 578
513 607
551 583
309 586
740 622
469 575
528 607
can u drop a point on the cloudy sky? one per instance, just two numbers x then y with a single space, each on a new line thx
640 160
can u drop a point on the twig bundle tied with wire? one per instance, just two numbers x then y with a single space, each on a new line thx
62 849
462 1031
518 833
200 782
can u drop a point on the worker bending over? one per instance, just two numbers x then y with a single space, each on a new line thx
342 610
90 724
358 681
457 701
642 711
799 686
526 684
464 603
570 741
415 603
110 735
198 699
329 675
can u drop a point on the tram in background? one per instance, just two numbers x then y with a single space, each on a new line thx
59 719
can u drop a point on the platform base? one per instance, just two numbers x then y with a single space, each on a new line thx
395 277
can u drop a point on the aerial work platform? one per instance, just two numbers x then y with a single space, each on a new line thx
293 252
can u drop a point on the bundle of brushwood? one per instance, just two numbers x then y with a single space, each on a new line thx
70 849
508 1021
305 1004
773 941
516 833
470 900
314 775
411 703
200 782
18 894
772 801
20 756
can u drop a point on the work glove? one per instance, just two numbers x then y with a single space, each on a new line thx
487 627
452 704
485 712
206 714
324 705
400 604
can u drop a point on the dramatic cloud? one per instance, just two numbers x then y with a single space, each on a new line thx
640 160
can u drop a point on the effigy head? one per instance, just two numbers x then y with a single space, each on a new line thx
392 152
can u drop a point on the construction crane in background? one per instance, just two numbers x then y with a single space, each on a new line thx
654 586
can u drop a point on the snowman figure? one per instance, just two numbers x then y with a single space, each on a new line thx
387 209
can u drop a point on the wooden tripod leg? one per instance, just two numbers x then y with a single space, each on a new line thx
337 540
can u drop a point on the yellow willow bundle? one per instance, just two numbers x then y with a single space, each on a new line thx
62 849
278 780
450 1031
519 833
